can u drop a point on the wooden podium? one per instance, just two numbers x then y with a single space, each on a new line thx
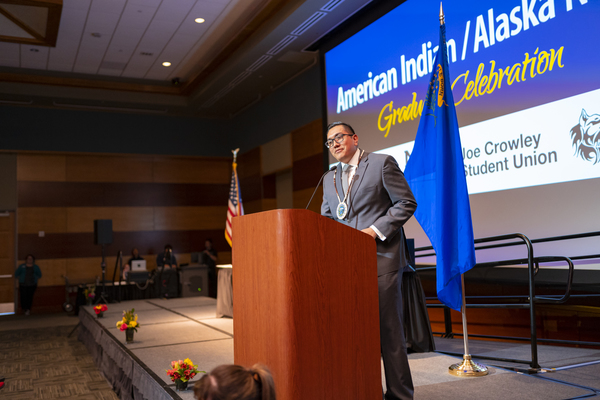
305 304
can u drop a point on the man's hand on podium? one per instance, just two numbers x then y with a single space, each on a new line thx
370 232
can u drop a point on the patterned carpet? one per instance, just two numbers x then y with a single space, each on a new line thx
44 363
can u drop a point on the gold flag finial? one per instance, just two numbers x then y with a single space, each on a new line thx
235 152
442 18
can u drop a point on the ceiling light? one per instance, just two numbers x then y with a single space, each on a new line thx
166 64
199 20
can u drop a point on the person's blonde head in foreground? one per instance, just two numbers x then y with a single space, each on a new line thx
234 382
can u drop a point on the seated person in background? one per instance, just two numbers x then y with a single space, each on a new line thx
166 259
234 382
135 255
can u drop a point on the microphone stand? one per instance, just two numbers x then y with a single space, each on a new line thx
120 280
160 281
319 184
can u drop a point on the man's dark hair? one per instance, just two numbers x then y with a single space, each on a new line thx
334 124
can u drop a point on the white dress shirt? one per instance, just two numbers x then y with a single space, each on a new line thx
354 163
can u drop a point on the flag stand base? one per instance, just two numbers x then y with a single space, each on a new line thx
468 368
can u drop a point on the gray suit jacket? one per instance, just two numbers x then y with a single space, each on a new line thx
380 196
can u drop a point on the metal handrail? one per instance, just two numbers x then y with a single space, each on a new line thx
533 268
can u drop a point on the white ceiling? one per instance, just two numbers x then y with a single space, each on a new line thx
126 41
126 38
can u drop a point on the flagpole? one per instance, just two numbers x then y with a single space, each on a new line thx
234 205
239 202
467 367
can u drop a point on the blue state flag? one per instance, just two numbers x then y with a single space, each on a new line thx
436 174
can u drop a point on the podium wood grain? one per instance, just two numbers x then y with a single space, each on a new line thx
306 305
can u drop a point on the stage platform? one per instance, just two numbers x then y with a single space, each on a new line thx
180 328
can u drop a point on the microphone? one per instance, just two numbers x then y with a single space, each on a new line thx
319 184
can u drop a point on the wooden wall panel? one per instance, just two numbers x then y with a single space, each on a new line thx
307 172
81 219
7 267
47 219
7 291
60 194
249 163
276 155
308 140
251 207
6 223
301 198
81 245
110 194
189 218
269 204
251 188
85 270
41 167
7 257
88 168
53 271
6 245
190 170
224 257
152 201
269 183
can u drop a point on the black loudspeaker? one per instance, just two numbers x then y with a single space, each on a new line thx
103 231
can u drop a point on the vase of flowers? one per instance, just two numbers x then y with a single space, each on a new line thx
99 310
180 385
129 324
181 372
90 294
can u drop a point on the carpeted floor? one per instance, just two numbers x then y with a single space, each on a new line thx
586 375
43 363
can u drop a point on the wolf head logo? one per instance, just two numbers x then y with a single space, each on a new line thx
586 137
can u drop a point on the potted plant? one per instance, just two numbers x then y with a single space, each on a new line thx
181 372
128 324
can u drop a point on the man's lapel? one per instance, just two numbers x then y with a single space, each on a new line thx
360 173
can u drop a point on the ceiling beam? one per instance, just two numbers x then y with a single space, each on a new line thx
54 8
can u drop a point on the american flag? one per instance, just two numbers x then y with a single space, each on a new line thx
235 207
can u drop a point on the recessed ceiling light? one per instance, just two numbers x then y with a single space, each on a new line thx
199 20
166 64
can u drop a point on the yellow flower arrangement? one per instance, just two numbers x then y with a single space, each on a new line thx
129 321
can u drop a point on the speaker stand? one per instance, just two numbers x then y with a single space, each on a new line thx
103 293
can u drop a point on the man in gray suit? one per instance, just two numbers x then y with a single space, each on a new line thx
368 192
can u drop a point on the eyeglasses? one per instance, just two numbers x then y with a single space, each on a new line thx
337 138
